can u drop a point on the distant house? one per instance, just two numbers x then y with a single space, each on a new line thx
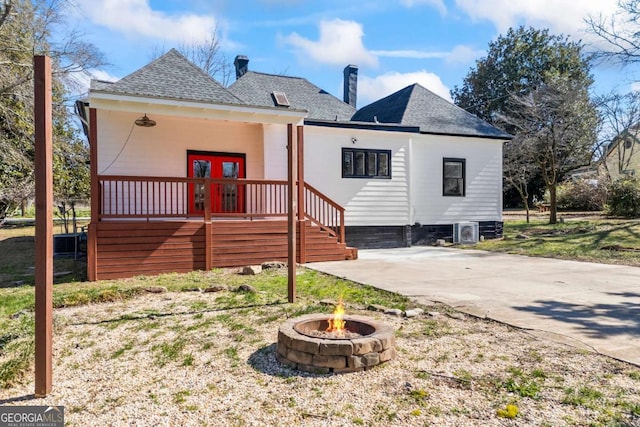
188 174
623 154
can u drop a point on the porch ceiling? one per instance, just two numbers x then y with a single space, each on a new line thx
204 110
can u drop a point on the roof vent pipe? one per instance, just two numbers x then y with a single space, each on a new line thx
350 85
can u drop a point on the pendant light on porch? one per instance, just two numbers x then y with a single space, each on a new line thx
145 122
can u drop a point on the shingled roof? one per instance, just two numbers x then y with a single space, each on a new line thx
170 76
416 106
257 88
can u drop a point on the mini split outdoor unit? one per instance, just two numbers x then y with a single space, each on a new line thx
465 232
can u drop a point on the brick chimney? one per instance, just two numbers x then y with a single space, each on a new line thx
350 85
242 65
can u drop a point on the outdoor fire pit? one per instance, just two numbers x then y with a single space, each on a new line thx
322 343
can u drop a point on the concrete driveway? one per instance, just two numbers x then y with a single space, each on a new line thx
594 306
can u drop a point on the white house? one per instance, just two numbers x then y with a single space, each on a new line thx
179 162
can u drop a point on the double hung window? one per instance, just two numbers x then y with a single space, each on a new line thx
453 175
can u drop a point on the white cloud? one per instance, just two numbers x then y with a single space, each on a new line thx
438 4
80 81
339 43
560 16
462 54
137 18
459 54
412 54
373 88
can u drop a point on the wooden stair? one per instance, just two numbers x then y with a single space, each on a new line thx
238 243
321 246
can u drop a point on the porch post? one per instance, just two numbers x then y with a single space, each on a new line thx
301 216
208 246
44 226
291 214
92 244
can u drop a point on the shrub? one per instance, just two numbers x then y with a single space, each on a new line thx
624 197
582 195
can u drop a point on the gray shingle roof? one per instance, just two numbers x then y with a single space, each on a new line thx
170 76
416 106
256 88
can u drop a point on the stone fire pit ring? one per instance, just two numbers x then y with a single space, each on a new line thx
325 355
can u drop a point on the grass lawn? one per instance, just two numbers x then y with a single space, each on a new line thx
449 371
611 241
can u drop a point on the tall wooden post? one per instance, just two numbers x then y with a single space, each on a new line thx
44 225
302 231
92 244
208 237
292 213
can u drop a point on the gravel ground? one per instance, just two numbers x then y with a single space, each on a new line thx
174 359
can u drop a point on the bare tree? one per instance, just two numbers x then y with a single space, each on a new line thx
206 54
556 124
619 32
518 169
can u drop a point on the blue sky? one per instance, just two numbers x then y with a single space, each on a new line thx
393 42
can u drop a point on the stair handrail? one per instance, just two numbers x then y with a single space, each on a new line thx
324 212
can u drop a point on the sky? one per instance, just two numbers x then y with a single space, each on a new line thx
394 43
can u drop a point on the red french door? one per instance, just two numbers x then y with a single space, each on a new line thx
224 197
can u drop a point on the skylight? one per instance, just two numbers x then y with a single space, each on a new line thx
280 99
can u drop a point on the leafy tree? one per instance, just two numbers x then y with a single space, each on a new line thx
618 32
515 64
29 30
556 124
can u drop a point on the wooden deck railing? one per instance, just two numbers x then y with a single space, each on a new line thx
323 211
163 197
144 197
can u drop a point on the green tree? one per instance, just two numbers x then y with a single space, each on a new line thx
29 29
515 64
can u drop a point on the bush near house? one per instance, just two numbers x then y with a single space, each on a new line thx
624 197
582 195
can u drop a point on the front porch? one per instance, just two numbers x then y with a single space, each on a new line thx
153 225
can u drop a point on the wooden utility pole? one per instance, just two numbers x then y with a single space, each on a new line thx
44 225
292 212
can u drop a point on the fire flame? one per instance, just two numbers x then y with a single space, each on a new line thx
336 323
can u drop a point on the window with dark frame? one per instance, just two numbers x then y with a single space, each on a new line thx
366 163
453 175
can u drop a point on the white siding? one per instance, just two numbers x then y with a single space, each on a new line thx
126 149
366 201
483 179
275 151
